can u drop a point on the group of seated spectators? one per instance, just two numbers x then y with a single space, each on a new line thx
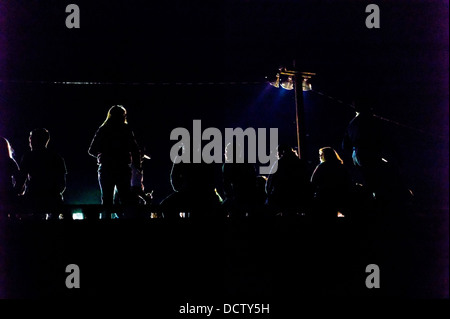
288 191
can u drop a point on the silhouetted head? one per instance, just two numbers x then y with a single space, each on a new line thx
233 151
117 114
328 154
5 149
284 149
39 138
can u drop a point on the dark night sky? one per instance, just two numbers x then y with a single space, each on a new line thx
404 64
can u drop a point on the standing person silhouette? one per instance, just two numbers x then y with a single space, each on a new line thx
370 144
364 139
116 150
44 173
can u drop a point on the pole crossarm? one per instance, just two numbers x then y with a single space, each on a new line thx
306 75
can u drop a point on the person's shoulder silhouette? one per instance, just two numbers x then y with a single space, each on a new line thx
330 173
9 171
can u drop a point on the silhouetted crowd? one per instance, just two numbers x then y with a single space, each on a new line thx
38 182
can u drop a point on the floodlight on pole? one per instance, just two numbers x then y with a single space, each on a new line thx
293 82
288 84
276 83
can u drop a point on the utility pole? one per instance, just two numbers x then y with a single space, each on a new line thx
299 115
298 82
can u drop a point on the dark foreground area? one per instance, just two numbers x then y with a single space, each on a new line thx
244 261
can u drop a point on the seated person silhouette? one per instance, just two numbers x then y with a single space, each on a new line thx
194 191
138 194
288 189
9 175
239 182
331 183
43 173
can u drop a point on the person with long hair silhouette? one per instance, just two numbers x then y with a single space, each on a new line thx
116 149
